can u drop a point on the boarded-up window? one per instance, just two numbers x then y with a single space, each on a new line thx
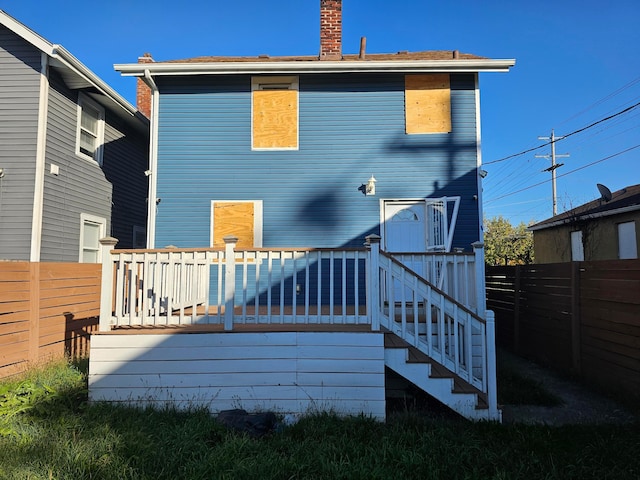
242 219
275 113
427 103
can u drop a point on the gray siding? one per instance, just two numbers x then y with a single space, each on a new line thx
125 160
350 127
80 186
19 100
116 191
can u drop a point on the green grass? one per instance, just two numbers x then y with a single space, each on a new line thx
55 435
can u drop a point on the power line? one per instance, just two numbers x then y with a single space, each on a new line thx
564 136
565 174
602 100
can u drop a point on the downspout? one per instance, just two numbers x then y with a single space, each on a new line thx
479 162
41 140
153 160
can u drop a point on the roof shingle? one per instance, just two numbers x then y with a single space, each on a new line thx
370 57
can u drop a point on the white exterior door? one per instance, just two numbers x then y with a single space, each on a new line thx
405 227
417 226
405 231
412 226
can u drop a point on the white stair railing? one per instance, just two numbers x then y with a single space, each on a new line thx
453 273
435 323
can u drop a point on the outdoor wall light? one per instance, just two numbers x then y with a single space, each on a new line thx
1 172
482 173
369 188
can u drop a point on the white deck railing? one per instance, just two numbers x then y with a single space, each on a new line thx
435 302
196 286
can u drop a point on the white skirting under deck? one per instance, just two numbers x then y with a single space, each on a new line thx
290 372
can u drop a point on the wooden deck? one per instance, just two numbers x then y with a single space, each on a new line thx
237 328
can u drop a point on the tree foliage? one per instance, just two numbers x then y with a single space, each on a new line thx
506 244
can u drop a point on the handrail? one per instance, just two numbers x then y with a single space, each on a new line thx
433 322
433 287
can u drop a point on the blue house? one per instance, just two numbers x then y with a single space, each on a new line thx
269 175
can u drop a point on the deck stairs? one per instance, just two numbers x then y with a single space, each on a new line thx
434 379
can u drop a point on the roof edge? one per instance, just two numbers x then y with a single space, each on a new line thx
81 69
69 60
385 66
587 216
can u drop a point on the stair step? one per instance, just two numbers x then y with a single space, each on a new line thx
391 340
482 402
415 356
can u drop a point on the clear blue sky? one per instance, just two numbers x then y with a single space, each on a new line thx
578 61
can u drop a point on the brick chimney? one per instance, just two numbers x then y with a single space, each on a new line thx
143 92
330 29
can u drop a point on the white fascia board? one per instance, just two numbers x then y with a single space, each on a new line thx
292 67
62 54
25 32
588 216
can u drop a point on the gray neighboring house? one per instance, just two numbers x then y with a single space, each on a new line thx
73 155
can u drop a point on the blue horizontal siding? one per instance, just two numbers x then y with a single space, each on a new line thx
350 127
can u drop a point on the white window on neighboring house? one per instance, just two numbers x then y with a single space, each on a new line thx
627 243
92 229
90 133
577 249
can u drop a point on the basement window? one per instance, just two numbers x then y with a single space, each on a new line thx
427 103
274 113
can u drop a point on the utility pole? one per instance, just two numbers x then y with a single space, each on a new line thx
553 166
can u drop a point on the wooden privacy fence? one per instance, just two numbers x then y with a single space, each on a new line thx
580 317
46 309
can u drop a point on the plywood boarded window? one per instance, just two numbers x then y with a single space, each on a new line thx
427 103
274 113
242 219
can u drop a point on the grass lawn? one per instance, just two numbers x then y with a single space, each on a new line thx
47 431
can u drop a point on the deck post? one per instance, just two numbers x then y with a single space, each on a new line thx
373 281
229 280
106 286
481 295
492 382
